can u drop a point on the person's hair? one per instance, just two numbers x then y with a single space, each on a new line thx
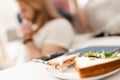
44 11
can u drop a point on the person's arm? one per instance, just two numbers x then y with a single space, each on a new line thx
81 16
34 52
56 40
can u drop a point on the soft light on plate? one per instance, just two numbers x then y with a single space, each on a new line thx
71 74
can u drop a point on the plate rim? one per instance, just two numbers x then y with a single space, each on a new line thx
78 78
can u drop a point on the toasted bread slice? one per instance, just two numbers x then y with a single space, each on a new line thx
64 63
87 67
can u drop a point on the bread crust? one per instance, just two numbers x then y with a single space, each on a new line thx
65 63
98 69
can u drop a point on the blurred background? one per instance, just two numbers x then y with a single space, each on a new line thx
93 14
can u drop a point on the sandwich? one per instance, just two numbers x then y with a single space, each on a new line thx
91 67
64 63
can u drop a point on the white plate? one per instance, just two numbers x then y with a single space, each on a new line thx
71 74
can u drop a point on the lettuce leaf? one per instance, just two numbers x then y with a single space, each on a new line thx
102 55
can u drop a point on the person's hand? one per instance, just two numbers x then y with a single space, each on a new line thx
26 30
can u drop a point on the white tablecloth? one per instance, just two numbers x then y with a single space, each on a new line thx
35 71
86 41
27 71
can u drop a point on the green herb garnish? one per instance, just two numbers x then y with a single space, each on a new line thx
101 55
